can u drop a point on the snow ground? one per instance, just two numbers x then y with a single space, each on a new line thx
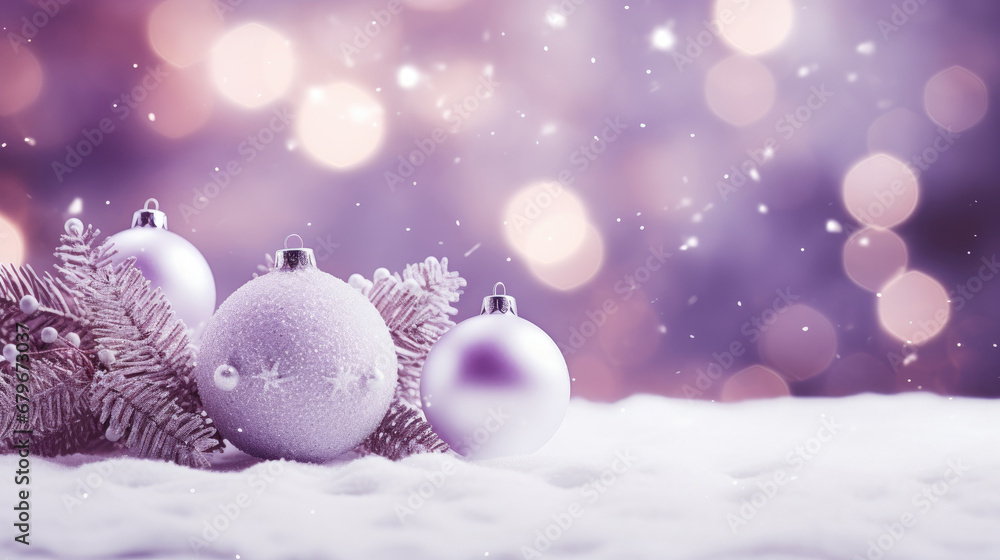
647 477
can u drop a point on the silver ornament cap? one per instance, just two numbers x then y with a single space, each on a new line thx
294 258
150 217
499 302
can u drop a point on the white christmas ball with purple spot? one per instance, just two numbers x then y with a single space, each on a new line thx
495 385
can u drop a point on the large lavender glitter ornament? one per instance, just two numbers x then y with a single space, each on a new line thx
495 385
296 364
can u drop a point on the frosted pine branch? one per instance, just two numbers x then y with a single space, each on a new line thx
403 432
57 307
147 395
149 419
416 306
60 414
60 378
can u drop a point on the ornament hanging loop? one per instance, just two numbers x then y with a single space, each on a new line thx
302 243
150 217
499 302
294 258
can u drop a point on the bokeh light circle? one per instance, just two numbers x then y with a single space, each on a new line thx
22 79
754 382
914 307
252 65
739 90
181 31
340 125
798 341
880 191
11 243
754 27
956 99
545 222
578 268
872 257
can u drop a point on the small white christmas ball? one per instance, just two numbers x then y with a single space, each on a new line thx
49 335
171 263
296 364
495 385
10 353
73 339
106 357
28 305
73 226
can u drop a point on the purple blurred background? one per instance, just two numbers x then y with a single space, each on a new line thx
676 257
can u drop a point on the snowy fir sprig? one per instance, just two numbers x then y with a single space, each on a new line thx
416 305
111 364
